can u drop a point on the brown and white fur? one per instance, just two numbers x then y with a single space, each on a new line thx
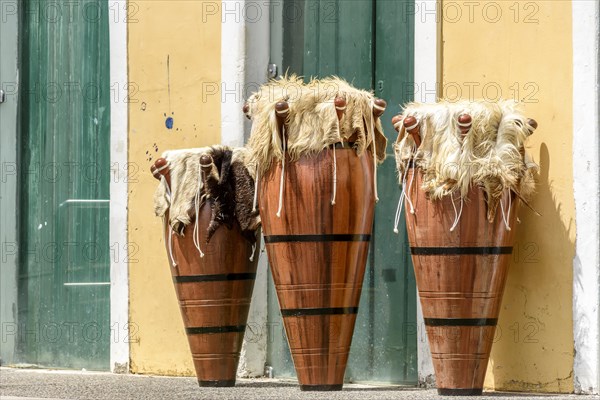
229 186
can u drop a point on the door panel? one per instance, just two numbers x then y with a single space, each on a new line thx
340 38
64 281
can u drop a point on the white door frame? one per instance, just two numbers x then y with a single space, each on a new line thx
119 268
9 28
427 78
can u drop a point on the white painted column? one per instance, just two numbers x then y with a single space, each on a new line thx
244 59
233 72
426 67
119 276
586 264
9 28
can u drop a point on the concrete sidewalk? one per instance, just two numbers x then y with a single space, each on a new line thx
21 384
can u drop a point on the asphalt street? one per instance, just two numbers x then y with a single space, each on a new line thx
22 384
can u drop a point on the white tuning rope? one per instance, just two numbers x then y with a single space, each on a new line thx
506 217
163 180
334 177
165 223
263 248
374 151
456 215
282 176
256 247
173 262
255 200
168 243
398 212
401 200
196 232
412 178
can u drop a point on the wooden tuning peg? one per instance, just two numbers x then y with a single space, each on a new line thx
531 125
379 106
411 125
160 168
340 107
396 121
282 110
464 123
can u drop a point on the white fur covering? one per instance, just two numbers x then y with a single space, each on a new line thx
312 123
491 155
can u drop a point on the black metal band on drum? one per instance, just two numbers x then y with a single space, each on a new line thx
221 383
301 312
460 321
459 392
459 251
321 388
210 330
214 278
317 238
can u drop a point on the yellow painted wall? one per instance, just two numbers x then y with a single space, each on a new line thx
189 34
527 56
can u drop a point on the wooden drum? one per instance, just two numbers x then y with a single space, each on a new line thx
214 293
316 153
318 253
460 276
464 172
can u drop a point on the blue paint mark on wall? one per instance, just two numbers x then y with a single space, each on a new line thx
169 123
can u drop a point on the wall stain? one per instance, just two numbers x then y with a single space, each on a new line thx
149 152
169 121
550 386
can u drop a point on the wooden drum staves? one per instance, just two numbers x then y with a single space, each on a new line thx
318 254
214 293
460 276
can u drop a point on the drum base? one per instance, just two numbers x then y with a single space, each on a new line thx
459 392
321 388
224 383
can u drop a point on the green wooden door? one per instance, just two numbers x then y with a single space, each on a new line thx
370 44
64 279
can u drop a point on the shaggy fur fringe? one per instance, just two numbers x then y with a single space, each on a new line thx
229 189
312 124
491 155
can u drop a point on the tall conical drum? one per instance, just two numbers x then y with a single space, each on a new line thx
461 204
210 244
460 276
318 255
316 206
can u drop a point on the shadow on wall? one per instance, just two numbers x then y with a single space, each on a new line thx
537 304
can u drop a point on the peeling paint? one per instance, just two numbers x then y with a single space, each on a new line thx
558 385
120 368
